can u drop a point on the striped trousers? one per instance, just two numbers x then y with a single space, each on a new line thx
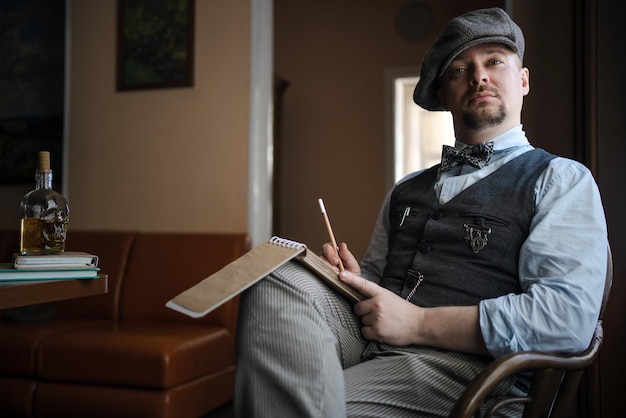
300 353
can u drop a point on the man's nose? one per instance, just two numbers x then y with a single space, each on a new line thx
479 75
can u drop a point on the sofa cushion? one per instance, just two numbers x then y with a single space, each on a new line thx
9 244
20 342
112 249
17 397
162 265
149 355
190 400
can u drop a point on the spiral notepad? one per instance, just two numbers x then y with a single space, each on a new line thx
210 293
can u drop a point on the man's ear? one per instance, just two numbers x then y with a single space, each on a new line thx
525 76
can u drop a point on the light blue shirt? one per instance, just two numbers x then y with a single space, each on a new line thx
562 263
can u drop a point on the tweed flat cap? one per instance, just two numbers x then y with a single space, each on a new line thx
461 33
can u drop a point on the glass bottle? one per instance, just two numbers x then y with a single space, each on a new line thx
45 215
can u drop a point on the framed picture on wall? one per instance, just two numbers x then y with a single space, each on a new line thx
154 44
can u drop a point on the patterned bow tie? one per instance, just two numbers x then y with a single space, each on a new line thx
476 155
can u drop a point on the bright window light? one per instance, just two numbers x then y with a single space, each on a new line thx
418 134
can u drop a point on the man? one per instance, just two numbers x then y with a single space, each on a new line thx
500 248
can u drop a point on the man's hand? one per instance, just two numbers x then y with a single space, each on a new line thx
385 316
350 263
388 318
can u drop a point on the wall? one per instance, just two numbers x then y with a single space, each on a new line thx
170 159
166 159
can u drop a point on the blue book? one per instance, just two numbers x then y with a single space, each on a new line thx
9 273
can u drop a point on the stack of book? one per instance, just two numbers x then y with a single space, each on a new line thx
67 265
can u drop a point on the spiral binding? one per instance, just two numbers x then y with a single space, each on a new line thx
282 242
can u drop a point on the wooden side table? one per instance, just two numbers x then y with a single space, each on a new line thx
22 293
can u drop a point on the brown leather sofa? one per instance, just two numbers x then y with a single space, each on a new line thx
124 354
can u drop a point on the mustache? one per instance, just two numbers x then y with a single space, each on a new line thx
480 89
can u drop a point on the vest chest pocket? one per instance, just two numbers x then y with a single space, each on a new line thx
479 227
406 228
403 217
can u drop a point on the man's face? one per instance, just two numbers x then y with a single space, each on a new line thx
484 87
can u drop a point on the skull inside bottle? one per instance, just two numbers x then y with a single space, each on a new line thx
45 215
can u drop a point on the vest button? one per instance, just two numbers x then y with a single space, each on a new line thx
423 247
436 215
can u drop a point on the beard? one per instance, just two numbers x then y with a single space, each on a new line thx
476 119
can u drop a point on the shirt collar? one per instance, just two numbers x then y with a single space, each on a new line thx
514 137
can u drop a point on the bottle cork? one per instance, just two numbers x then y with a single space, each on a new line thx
44 161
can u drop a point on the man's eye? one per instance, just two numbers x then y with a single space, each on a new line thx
458 71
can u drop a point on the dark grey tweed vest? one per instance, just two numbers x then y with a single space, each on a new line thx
467 249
